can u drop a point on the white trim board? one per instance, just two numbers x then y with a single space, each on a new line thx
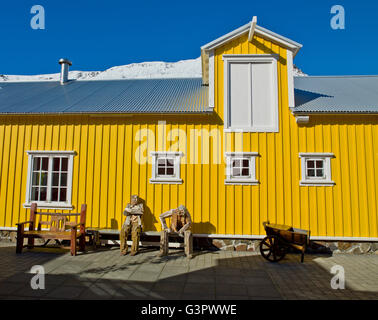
52 152
145 243
316 154
211 80
15 229
265 33
290 78
344 239
258 237
233 236
252 29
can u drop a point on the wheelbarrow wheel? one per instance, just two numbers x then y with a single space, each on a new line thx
271 249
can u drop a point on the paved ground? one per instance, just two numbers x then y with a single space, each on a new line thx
104 274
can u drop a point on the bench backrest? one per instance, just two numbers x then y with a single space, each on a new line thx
57 222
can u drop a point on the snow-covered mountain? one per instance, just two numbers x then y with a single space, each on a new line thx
298 72
182 69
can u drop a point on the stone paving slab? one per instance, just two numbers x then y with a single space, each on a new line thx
222 275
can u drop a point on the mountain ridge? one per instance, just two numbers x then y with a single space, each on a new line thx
190 68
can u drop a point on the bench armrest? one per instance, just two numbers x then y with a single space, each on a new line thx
25 222
75 225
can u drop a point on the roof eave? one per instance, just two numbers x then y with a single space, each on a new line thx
227 37
286 42
113 113
317 112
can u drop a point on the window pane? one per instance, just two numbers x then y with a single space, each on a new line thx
310 164
165 167
45 164
55 179
43 178
54 194
319 164
170 162
263 103
35 179
63 194
319 173
56 164
64 164
161 162
236 172
245 172
236 163
43 194
63 179
311 172
246 163
239 95
37 163
34 194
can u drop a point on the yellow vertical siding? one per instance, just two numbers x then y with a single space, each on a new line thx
105 174
349 209
106 171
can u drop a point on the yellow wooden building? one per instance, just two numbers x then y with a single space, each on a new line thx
246 143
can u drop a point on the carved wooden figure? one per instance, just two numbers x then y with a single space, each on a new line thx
180 225
133 224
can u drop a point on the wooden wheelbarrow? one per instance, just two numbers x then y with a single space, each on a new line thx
279 238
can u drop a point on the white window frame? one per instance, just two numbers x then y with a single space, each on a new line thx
316 181
251 59
50 204
176 178
251 156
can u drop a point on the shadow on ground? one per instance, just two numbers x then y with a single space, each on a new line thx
104 274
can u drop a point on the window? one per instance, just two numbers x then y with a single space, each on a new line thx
316 169
251 93
241 168
49 181
166 167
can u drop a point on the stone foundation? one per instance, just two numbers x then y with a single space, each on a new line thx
253 245
236 245
10 236
315 246
343 247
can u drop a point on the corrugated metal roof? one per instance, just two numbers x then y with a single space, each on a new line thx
181 95
355 94
344 94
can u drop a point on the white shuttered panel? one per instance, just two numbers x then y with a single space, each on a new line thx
251 94
240 95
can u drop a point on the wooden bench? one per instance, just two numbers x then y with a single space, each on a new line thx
59 227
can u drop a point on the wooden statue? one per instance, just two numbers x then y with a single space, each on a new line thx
133 224
180 224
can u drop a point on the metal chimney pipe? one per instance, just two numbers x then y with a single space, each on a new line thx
65 64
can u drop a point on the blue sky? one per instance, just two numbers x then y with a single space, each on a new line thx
97 35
